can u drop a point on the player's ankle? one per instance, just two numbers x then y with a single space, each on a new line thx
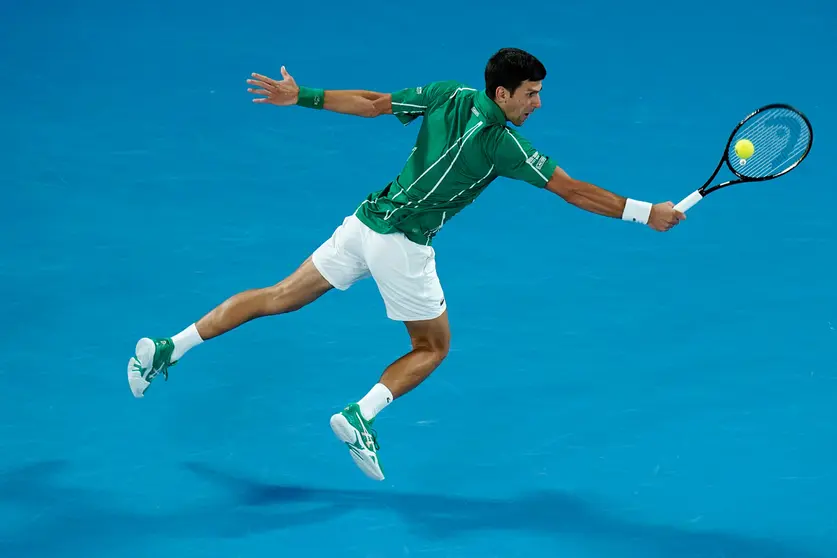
185 340
375 401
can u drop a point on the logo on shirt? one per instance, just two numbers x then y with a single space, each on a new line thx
536 160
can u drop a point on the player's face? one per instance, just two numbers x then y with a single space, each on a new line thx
525 100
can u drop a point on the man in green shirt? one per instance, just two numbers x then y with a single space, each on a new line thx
464 143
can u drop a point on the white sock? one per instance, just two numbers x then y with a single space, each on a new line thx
374 401
184 341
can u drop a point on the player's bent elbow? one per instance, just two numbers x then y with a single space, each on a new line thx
368 110
378 107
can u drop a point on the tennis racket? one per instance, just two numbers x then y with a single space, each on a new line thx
781 137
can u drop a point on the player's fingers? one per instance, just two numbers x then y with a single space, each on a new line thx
258 91
260 83
285 74
264 78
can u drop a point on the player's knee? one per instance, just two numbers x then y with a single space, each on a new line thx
278 300
302 287
284 297
438 345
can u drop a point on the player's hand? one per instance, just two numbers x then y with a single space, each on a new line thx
280 93
663 216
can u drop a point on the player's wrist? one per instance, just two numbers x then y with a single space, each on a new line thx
310 97
636 211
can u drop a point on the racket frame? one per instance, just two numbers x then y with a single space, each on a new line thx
693 198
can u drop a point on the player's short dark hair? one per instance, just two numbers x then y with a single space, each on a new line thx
509 67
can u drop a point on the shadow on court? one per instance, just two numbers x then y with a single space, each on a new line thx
54 519
541 513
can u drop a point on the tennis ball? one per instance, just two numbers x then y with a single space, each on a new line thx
744 148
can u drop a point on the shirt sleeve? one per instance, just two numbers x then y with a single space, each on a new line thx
516 158
412 102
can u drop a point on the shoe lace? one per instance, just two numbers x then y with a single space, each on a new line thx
371 438
153 373
164 371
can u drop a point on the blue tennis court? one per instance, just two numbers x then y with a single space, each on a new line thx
610 391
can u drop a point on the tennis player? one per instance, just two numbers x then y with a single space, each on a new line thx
463 145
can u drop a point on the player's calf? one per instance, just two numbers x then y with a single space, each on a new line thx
430 340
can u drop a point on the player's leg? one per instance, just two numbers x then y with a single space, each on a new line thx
430 340
153 356
406 276
302 287
335 264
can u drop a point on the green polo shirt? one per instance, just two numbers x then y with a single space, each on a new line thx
462 146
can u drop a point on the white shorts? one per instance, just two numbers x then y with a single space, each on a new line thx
404 271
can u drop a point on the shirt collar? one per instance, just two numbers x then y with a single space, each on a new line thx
493 113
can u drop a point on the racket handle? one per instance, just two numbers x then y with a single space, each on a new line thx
689 201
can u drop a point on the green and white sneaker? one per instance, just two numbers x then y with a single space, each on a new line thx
350 427
151 357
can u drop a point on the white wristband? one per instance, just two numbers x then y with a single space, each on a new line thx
636 211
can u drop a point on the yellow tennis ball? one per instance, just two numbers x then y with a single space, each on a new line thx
744 148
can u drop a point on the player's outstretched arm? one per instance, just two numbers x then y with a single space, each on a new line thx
286 92
660 217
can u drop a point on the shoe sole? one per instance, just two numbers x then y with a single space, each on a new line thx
346 433
143 354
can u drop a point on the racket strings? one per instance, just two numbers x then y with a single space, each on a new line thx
780 137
